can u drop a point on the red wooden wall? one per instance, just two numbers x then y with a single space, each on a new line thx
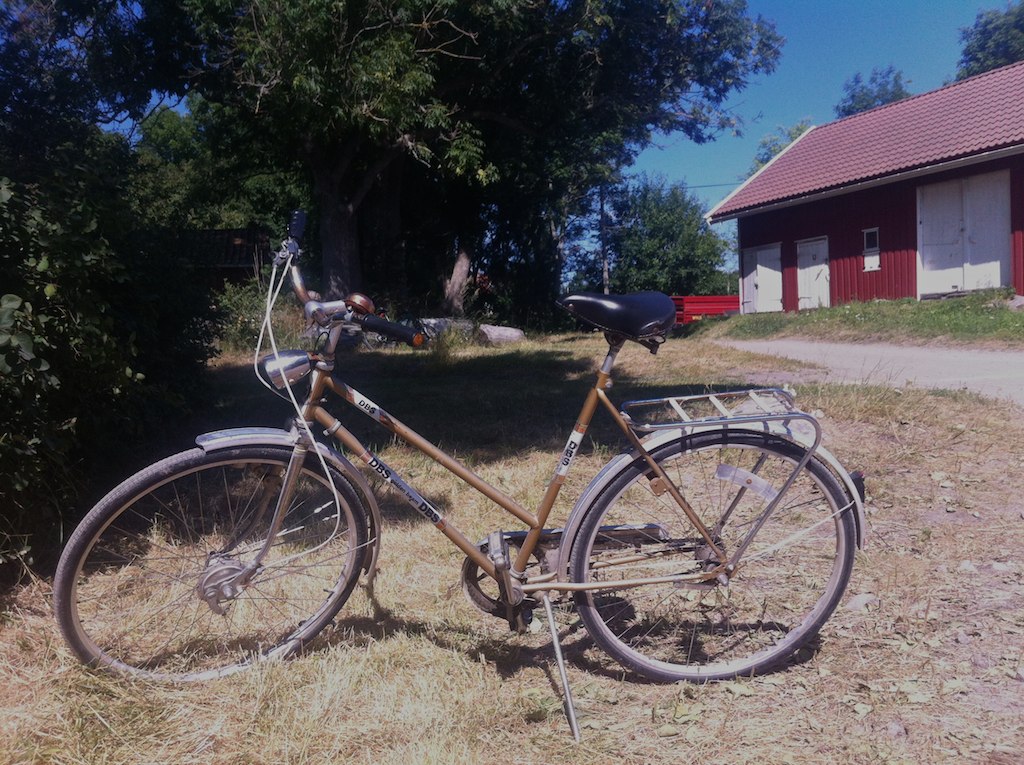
893 210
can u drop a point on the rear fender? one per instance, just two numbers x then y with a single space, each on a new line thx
652 443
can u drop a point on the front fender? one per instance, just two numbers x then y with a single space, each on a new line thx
235 437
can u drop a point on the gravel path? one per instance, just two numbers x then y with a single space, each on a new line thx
999 374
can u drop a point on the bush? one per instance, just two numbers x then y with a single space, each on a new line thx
242 307
100 330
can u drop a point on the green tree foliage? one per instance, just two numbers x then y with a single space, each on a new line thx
508 112
996 39
190 175
422 129
657 239
883 87
95 317
772 144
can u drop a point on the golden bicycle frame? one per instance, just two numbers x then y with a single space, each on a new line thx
513 585
321 368
312 411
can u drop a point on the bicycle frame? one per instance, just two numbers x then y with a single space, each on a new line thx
322 381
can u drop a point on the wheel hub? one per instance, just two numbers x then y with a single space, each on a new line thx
219 582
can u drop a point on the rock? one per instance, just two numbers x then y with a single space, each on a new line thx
896 729
862 601
1016 303
980 661
490 334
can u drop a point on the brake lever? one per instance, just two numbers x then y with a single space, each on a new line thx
281 256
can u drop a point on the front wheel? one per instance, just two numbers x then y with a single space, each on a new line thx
144 584
790 578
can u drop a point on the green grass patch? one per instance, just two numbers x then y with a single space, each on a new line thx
981 316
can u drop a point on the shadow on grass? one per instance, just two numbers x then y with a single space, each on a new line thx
509 657
480 408
485 407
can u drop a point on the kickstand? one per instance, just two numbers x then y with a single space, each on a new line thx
570 710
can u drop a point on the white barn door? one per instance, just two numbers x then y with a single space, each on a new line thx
964 234
812 274
940 238
987 242
761 279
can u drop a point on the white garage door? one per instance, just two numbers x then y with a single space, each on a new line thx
761 284
964 234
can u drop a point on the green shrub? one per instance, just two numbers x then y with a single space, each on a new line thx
101 333
242 306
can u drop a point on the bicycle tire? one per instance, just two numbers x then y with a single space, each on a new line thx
790 579
127 588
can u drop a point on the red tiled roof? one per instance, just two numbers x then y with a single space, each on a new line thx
969 118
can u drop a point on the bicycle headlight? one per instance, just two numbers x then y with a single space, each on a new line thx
287 366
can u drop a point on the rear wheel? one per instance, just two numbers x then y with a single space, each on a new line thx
143 584
790 579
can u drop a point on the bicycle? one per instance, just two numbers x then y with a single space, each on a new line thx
715 546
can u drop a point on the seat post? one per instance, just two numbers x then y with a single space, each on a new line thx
615 343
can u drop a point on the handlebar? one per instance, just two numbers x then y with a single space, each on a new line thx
297 225
400 332
355 308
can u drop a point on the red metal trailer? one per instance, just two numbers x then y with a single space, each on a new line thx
696 307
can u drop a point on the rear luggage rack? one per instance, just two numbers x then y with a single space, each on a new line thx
770 409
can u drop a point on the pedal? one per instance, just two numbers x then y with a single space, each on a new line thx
523 617
701 586
509 589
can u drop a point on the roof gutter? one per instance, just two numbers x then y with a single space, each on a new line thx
885 180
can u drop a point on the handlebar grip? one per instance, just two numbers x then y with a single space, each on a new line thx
400 332
297 224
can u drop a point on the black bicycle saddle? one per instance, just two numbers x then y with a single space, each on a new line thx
636 316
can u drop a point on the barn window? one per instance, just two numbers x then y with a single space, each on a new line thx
872 258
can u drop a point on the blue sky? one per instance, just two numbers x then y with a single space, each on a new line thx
827 42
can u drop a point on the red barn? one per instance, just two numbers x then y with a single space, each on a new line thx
917 198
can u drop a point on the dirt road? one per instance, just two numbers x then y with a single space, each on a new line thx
999 374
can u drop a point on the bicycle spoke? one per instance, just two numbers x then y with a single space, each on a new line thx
785 584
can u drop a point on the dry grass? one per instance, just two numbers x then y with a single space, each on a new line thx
923 663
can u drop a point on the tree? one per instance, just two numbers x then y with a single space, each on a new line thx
883 87
773 143
95 316
996 39
190 176
658 240
507 107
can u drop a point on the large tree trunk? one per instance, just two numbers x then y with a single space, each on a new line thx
341 184
455 286
381 240
339 244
